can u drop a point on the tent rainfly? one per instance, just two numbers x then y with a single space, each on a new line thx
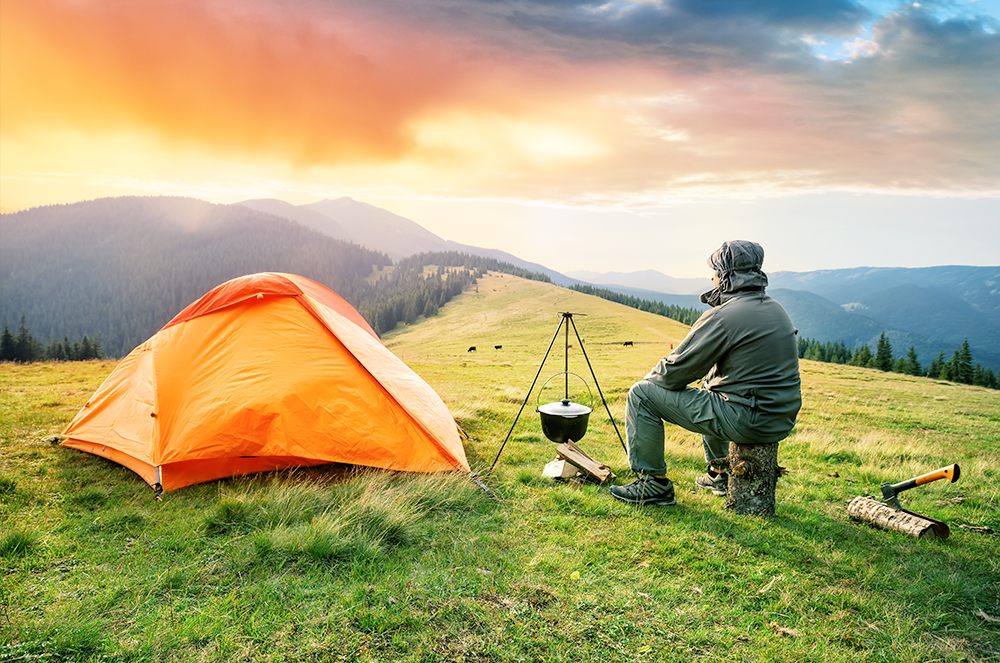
265 372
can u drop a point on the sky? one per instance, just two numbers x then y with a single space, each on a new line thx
617 136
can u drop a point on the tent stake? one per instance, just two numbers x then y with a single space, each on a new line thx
486 489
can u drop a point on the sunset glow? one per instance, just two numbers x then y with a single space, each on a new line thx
635 106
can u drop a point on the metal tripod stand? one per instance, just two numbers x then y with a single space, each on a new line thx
566 319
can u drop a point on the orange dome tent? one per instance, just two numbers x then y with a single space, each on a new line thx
267 371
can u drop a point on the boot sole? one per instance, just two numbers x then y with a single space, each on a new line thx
651 501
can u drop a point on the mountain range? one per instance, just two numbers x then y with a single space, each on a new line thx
933 309
366 225
646 279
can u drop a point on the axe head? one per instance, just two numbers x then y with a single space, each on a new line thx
890 497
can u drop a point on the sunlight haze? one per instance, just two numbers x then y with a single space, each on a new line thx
583 136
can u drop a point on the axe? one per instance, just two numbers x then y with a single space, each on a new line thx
890 491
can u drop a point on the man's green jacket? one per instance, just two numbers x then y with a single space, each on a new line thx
746 349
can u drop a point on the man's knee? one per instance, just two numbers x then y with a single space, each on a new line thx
633 397
638 396
640 390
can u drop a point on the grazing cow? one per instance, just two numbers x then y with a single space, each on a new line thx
627 343
497 347
472 349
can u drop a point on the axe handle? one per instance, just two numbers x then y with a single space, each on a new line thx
951 473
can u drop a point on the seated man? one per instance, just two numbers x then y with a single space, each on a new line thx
746 344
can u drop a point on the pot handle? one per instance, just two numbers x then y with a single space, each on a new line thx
542 388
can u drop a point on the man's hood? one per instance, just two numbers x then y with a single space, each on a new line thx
738 264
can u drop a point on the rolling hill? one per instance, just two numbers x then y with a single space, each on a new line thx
120 268
328 563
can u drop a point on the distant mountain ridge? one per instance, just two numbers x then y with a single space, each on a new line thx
366 225
932 308
947 304
646 279
818 318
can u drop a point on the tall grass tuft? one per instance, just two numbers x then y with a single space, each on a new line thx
18 543
229 514
370 515
7 485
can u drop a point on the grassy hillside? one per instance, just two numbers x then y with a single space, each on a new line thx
321 566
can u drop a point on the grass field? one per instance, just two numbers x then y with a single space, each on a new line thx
328 565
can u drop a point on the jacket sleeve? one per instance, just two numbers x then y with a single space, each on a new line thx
704 345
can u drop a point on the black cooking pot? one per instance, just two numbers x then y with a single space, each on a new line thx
564 420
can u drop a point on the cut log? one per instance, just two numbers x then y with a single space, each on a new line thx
753 477
880 515
573 454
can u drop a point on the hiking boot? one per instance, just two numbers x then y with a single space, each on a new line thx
645 490
719 484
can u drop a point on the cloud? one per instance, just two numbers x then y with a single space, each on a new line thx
243 76
611 102
697 34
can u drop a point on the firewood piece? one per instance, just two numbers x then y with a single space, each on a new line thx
753 477
880 515
560 469
578 457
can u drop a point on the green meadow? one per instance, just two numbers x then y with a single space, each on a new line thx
339 564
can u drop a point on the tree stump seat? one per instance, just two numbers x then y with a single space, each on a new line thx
753 477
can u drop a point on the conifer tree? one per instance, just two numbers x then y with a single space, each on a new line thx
912 365
963 364
815 352
410 315
883 354
946 372
838 353
950 369
862 357
8 344
989 379
55 351
26 346
85 349
937 364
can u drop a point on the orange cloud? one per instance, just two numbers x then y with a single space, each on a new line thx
234 79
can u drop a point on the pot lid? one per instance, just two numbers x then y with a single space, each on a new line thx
565 408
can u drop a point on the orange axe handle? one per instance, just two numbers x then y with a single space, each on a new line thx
890 491
951 473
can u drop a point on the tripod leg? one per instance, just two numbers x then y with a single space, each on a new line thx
528 395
